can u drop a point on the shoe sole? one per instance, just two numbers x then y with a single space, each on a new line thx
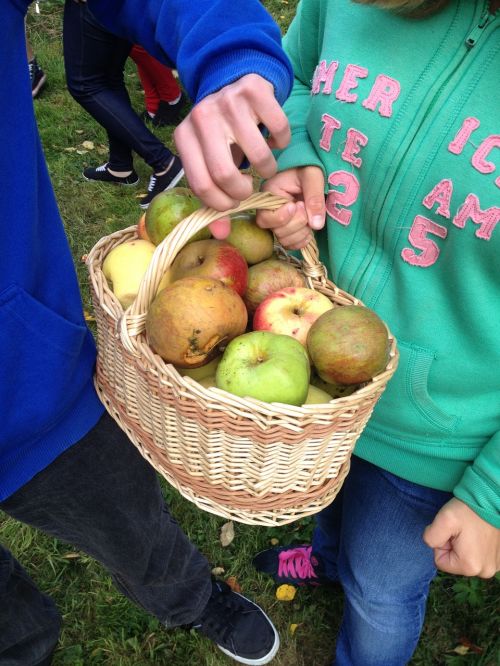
109 182
39 86
263 660
172 183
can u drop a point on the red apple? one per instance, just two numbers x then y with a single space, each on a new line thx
291 311
141 228
212 258
267 277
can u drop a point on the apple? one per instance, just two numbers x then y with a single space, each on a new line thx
124 267
291 311
207 382
141 228
334 390
316 396
254 243
167 209
266 366
202 371
348 345
267 277
191 321
212 258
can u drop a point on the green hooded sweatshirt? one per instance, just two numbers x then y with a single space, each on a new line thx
403 116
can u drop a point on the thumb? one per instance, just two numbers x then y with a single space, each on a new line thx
220 229
313 191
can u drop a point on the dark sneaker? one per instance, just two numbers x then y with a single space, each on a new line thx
102 175
169 114
239 627
37 77
159 184
293 565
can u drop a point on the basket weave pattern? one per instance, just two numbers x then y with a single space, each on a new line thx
257 463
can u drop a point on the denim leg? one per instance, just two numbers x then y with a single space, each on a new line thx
94 61
29 621
105 499
383 564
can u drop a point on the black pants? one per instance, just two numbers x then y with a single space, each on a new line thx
102 497
94 60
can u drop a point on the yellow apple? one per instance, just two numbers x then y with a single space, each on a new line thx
124 267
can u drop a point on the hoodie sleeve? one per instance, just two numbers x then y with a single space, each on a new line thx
211 42
479 487
302 46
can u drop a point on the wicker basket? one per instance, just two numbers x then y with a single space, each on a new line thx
243 459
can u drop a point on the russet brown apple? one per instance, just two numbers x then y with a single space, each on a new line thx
212 258
193 319
348 345
267 277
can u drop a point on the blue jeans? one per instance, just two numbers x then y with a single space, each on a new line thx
370 540
102 497
94 60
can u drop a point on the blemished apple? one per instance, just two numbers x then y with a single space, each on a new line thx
334 390
266 366
212 258
254 243
124 267
192 320
291 311
267 277
167 209
202 371
348 345
316 396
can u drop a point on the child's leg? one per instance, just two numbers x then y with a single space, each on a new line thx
159 75
383 565
151 96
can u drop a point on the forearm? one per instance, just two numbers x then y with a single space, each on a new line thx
211 42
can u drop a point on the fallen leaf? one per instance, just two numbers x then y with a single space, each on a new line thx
217 571
285 593
467 643
89 145
78 131
232 581
87 316
293 628
71 556
227 533
461 649
274 542
70 149
82 152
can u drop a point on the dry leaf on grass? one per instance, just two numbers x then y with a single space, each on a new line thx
232 581
227 534
217 571
89 145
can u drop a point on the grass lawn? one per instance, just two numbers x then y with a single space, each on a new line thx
100 625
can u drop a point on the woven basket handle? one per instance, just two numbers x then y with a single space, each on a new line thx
133 321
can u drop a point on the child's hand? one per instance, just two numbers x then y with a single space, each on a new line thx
292 223
463 543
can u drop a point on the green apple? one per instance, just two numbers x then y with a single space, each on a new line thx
315 396
267 366
167 209
254 243
202 371
208 382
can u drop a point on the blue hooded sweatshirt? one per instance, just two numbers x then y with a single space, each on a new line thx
47 398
